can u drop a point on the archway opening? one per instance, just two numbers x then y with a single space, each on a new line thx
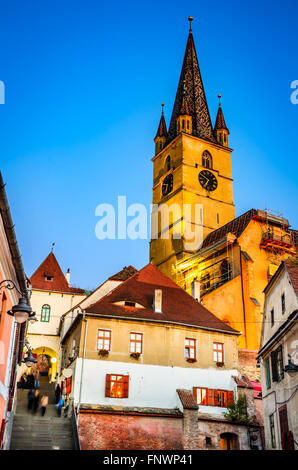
229 441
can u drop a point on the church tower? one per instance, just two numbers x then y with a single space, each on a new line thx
191 170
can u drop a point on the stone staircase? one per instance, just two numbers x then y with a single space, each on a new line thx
35 432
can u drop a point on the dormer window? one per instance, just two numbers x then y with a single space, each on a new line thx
128 303
49 278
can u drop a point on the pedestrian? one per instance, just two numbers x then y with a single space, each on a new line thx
57 393
44 403
66 408
35 400
30 399
60 405
37 382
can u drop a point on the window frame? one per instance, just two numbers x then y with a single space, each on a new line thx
215 397
119 379
218 351
283 303
45 314
135 342
207 157
190 348
104 338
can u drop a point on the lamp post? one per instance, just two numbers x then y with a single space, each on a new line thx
29 360
291 368
22 311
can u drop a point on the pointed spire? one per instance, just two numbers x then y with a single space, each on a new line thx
162 128
194 97
220 120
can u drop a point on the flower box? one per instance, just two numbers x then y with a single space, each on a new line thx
103 352
135 355
220 364
191 359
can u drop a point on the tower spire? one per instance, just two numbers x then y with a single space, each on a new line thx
162 133
220 129
191 84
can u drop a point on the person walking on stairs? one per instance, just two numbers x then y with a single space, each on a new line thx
44 403
30 398
60 405
36 401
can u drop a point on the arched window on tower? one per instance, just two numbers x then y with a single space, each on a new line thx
206 159
225 271
168 163
45 313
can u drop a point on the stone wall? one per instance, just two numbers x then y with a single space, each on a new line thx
128 432
248 364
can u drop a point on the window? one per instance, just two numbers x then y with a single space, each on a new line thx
128 303
217 218
104 340
206 160
49 278
201 396
45 313
267 373
272 431
117 386
208 441
277 365
136 343
190 348
283 303
213 397
218 352
168 163
272 317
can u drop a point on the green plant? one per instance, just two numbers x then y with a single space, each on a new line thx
135 355
237 411
103 352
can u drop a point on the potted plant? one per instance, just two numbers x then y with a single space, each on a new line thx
220 364
135 355
103 352
191 359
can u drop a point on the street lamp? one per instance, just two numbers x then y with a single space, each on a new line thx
30 359
22 311
291 368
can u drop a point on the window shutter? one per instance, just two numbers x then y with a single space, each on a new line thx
210 397
267 372
217 398
108 385
274 367
230 398
125 386
280 363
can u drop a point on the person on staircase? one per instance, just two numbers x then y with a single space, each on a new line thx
36 401
44 403
30 399
60 405
57 393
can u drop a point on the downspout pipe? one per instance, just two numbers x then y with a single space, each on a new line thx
82 370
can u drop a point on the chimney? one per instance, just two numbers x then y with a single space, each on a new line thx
195 289
67 276
157 302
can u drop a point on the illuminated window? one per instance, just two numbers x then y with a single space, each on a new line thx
190 348
136 343
218 352
45 313
201 396
117 386
104 340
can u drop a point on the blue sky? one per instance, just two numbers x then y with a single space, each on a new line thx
84 82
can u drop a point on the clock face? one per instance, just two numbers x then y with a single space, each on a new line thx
167 185
208 180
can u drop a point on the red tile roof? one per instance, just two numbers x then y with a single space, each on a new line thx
292 269
187 399
162 128
124 274
50 268
236 226
243 381
177 305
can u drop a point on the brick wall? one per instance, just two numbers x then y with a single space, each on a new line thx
248 363
127 432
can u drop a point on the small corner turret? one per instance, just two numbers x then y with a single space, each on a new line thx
220 129
162 133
